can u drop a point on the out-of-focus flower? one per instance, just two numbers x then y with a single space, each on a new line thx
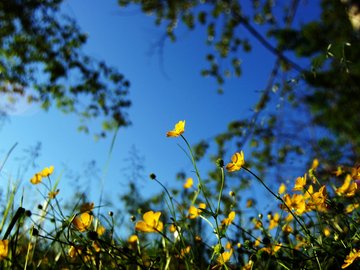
52 194
36 179
100 230
295 203
178 130
351 207
86 207
348 188
315 164
248 266
47 171
227 221
282 189
83 221
274 221
4 249
354 254
184 251
188 183
237 161
318 200
326 231
224 257
272 249
249 203
300 183
150 222
195 212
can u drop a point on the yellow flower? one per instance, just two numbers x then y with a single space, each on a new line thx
354 254
184 251
227 221
150 222
228 245
274 221
195 212
83 221
86 207
348 188
52 194
282 189
248 266
100 230
326 231
224 257
296 203
237 161
178 130
318 200
315 164
189 183
287 228
272 249
47 171
133 239
74 251
351 207
36 179
300 183
4 249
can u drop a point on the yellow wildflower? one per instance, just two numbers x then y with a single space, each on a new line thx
282 189
133 239
274 221
47 171
100 230
195 212
237 161
151 222
4 249
74 251
189 183
36 179
83 221
52 194
326 231
287 229
172 228
318 200
248 266
315 164
351 207
348 188
86 207
300 183
272 249
295 203
228 245
354 254
184 251
227 221
178 130
224 257
257 242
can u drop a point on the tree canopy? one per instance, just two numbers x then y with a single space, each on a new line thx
41 57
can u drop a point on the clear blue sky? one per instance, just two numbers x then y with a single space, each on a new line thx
162 94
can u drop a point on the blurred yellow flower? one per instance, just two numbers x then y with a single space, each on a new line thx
195 212
237 161
287 228
295 203
52 194
248 266
224 257
227 221
318 200
4 249
272 249
351 207
315 164
348 188
326 231
100 230
282 189
178 130
36 179
74 251
354 254
228 245
83 221
86 207
300 182
47 171
184 251
274 221
189 183
172 228
150 222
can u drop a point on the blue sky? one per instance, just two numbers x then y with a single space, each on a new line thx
162 94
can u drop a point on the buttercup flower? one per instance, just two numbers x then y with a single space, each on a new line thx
237 160
296 203
4 249
37 178
195 212
354 254
348 188
224 257
282 189
300 183
189 183
150 223
83 221
227 221
178 130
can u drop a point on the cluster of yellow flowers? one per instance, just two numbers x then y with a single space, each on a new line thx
37 178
